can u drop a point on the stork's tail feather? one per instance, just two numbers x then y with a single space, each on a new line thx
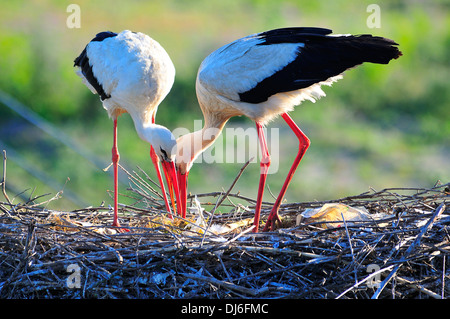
373 49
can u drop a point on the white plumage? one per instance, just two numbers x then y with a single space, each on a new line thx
137 73
240 66
132 73
134 69
265 75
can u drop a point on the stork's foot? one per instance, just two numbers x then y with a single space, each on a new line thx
119 228
273 219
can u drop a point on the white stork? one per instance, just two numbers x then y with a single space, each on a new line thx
265 75
132 73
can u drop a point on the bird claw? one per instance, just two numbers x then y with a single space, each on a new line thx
120 229
123 230
271 222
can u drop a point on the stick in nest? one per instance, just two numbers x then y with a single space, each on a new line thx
4 183
410 249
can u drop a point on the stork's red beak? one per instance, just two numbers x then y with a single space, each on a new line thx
172 184
182 184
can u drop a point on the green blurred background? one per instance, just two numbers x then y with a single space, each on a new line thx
381 126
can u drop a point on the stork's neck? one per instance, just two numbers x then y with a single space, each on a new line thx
144 126
147 132
191 145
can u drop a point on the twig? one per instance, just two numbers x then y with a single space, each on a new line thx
443 277
220 201
351 247
238 236
231 187
138 180
4 179
224 268
228 285
277 251
418 287
410 249
369 277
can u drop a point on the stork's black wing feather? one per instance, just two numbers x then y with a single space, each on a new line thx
290 35
86 68
319 57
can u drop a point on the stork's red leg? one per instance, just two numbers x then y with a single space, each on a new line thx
182 184
155 161
115 161
264 164
303 146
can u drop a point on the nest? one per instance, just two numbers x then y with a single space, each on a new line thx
402 254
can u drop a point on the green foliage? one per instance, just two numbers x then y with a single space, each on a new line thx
380 126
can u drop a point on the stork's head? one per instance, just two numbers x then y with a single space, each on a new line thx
163 142
164 147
